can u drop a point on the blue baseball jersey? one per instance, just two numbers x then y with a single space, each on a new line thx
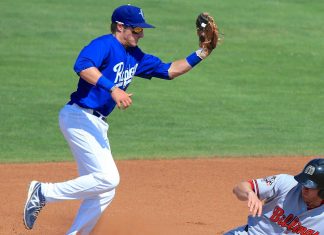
116 63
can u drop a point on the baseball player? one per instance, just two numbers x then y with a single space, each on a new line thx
285 204
106 67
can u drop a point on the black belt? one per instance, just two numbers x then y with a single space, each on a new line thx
92 111
99 115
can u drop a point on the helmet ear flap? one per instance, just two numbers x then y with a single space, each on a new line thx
321 193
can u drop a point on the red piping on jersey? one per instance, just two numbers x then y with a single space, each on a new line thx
254 186
251 184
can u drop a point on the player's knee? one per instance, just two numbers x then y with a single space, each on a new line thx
108 181
115 181
111 181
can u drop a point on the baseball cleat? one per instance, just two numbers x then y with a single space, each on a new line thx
34 204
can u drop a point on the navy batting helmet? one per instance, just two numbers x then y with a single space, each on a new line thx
313 175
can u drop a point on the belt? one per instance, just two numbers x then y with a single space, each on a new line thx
91 111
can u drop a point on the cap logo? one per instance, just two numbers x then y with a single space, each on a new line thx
142 14
309 170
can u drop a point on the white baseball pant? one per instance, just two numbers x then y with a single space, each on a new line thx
86 135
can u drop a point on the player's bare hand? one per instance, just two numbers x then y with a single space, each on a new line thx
254 204
122 99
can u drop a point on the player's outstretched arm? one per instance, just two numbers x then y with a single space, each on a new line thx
178 68
244 192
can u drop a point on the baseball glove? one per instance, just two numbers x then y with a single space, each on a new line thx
207 32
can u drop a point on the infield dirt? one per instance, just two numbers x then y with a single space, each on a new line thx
158 197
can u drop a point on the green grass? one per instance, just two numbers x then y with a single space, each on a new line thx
260 93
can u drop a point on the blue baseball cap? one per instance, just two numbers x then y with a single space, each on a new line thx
130 16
